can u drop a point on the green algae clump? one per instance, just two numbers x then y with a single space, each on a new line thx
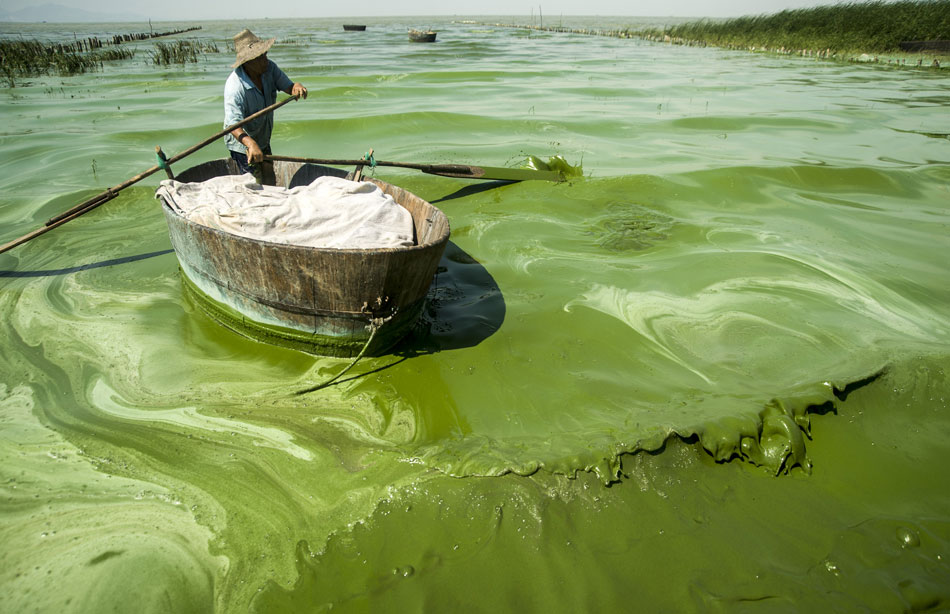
555 163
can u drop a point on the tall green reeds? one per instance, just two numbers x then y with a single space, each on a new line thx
181 51
110 55
29 58
23 58
872 27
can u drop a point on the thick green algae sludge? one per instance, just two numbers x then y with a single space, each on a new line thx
708 374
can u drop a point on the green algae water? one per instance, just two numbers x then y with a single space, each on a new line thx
708 374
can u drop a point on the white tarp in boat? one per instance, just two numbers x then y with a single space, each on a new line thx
330 212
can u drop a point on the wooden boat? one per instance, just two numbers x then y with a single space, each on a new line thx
422 36
354 28
331 302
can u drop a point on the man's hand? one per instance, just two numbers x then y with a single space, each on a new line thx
298 90
254 153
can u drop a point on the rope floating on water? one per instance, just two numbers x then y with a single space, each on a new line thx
374 325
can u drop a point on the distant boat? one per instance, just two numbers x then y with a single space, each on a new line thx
421 36
353 28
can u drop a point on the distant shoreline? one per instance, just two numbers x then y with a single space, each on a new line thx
872 32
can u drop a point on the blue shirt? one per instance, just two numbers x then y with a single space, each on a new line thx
243 99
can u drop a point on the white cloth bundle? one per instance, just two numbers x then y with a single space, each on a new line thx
330 212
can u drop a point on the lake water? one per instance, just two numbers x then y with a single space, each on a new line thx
709 375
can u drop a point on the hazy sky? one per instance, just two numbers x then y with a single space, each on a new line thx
223 9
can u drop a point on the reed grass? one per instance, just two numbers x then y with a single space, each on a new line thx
23 58
111 55
865 27
181 51
177 52
30 58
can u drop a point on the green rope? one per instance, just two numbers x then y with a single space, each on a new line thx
343 372
162 163
374 325
370 158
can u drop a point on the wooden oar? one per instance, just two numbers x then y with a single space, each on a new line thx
103 197
463 171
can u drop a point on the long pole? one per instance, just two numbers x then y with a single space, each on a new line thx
456 168
461 171
107 195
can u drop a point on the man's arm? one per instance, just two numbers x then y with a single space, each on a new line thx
233 113
254 153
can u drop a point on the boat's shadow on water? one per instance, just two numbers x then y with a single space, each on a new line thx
464 307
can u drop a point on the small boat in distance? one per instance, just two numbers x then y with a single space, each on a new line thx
422 36
354 28
330 302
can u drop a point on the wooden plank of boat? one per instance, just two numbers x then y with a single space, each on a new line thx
330 302
354 28
422 36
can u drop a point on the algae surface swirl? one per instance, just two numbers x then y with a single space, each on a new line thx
707 373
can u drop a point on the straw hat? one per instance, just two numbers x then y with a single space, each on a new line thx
247 46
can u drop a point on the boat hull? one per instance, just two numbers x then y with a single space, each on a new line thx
330 302
416 36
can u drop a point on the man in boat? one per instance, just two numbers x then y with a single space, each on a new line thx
252 86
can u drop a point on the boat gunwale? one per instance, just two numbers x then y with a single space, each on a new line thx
444 236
